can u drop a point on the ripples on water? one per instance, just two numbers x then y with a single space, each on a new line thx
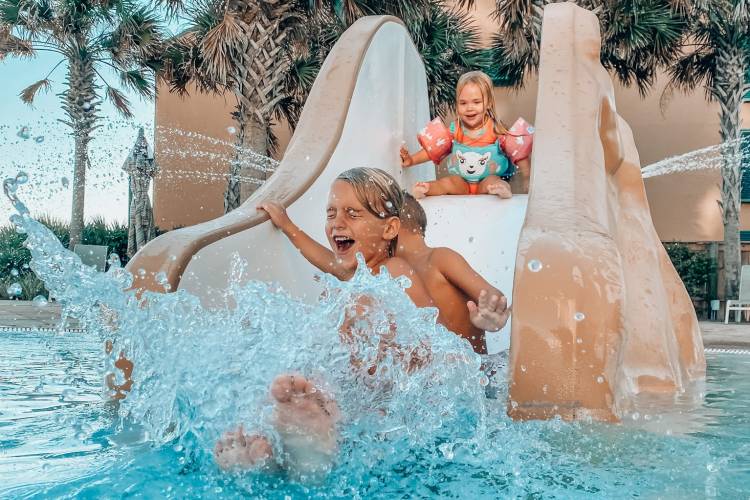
201 372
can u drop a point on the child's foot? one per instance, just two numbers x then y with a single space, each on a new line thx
500 189
238 451
305 419
420 189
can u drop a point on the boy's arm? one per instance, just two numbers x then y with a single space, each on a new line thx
488 308
318 255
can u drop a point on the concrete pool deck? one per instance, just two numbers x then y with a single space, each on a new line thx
25 315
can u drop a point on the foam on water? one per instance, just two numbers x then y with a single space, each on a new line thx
199 372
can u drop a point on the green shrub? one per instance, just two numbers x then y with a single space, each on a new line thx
694 267
113 235
13 255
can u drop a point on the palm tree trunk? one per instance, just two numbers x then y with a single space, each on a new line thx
728 88
79 103
260 64
245 175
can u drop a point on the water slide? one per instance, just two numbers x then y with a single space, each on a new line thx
600 315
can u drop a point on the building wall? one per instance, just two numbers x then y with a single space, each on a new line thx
661 129
192 148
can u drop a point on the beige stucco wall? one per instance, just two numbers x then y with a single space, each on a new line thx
683 124
192 148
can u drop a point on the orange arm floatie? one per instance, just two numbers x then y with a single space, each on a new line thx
436 139
516 144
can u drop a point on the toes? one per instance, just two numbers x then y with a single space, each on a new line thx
285 386
260 448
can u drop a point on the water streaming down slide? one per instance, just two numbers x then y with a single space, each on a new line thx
599 313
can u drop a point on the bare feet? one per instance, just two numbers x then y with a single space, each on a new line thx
239 451
420 189
500 189
305 419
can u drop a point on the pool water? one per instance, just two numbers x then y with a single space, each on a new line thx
60 439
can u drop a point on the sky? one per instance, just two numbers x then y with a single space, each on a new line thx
47 155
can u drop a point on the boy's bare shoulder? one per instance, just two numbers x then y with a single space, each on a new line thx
397 266
444 255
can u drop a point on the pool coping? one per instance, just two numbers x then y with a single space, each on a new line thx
19 315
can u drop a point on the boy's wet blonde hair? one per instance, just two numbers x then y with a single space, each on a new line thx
483 81
378 192
413 216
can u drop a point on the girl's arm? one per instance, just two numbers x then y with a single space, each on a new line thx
408 160
318 255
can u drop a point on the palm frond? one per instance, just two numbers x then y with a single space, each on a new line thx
137 37
216 46
11 45
693 70
449 43
27 95
118 99
138 81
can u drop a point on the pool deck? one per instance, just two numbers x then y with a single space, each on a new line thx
24 315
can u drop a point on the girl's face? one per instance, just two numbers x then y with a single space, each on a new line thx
352 229
471 108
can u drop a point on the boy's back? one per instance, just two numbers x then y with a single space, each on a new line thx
450 280
431 265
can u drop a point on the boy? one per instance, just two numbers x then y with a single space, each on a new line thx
467 304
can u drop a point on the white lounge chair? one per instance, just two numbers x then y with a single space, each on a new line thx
743 303
92 255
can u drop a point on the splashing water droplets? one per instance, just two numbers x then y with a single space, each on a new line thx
14 272
14 290
579 316
10 186
535 265
24 133
40 301
22 178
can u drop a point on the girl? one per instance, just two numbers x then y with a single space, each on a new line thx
483 152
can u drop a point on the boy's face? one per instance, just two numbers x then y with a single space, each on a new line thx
470 106
352 229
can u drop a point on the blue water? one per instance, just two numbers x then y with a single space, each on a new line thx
58 438
424 433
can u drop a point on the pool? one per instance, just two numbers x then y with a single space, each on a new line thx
59 439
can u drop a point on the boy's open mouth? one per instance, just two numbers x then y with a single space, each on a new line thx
343 243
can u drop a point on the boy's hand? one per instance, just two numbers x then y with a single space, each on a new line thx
406 159
277 213
491 313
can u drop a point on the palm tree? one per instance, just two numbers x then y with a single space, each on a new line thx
717 57
272 75
243 47
89 35
638 38
445 37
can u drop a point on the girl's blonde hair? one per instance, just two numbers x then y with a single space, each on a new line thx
481 80
378 192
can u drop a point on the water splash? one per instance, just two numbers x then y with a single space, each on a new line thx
708 158
200 372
